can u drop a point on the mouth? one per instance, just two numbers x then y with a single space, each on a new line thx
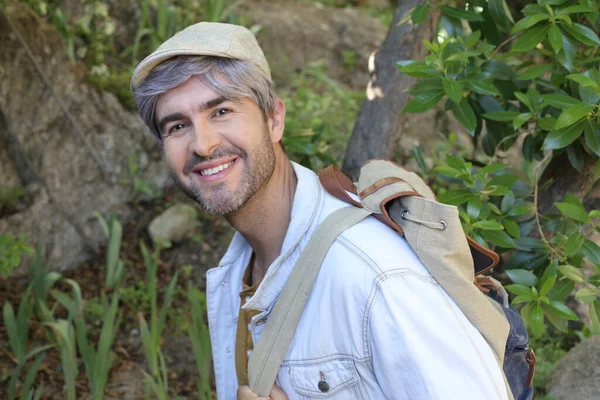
215 171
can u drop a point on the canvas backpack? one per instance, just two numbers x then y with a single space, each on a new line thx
402 200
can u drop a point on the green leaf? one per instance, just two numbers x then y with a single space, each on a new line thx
501 116
559 138
564 311
531 38
591 251
547 285
582 34
521 119
534 72
559 100
472 39
493 69
583 80
500 13
524 99
576 9
488 225
572 273
573 114
537 320
453 89
512 228
561 290
576 156
474 208
425 86
574 243
568 53
555 319
522 277
587 295
465 115
423 102
482 87
490 169
521 290
447 170
575 212
460 14
499 238
555 38
420 13
456 197
528 22
418 69
547 123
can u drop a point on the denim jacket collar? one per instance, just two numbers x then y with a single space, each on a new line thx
307 204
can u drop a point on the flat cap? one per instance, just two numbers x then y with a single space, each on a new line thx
206 39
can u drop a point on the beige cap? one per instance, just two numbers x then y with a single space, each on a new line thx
206 39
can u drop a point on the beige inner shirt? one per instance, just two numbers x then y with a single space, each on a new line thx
243 339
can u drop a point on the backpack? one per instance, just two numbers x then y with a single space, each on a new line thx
402 200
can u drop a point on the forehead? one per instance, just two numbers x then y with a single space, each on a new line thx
192 90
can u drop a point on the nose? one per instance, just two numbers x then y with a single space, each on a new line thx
206 139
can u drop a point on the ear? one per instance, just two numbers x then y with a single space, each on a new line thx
276 121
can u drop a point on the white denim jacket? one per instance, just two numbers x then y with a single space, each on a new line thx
376 324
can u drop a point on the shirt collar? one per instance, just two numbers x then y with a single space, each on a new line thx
307 204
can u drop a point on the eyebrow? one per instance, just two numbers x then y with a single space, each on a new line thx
179 116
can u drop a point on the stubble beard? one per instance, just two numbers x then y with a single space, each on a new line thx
220 200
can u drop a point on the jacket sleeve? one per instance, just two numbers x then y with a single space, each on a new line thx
422 345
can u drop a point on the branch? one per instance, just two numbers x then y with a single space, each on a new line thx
538 171
510 39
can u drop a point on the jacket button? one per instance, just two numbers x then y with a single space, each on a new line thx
323 386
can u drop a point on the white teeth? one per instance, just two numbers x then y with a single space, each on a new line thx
212 171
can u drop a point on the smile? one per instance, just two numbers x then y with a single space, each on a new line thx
212 171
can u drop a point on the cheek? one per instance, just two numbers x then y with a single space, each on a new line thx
175 155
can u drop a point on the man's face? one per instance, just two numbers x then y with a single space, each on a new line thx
220 152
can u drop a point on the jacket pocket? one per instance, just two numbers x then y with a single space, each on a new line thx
332 379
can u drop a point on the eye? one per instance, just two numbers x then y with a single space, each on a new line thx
222 112
176 127
173 129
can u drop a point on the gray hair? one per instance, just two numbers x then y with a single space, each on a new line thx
230 78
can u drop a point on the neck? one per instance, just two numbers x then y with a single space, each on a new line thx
264 219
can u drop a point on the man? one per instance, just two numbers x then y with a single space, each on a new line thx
376 324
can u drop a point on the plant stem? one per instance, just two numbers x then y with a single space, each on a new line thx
510 39
538 173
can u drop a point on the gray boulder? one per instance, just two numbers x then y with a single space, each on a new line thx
174 224
577 375
68 172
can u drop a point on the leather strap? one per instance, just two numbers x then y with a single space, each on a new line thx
531 361
337 184
265 360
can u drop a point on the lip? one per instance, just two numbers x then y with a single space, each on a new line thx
213 164
214 177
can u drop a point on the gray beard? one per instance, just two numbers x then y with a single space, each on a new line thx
222 201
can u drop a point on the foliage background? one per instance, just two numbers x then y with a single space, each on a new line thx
521 81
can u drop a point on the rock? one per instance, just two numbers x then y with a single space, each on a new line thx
577 375
174 224
294 34
47 150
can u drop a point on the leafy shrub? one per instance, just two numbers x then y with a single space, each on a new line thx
11 251
532 83
319 119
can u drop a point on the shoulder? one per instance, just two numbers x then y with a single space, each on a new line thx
368 253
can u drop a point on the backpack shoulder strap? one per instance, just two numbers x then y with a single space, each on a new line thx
265 361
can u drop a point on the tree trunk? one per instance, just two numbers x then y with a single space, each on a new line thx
379 125
566 179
